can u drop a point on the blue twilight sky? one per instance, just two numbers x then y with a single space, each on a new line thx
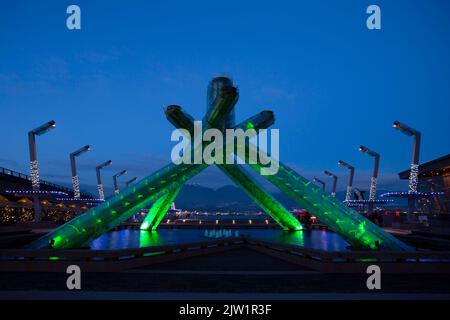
332 83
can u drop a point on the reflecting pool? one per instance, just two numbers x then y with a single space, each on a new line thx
132 238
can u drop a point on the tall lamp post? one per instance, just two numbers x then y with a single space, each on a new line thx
414 172
116 186
73 165
319 182
101 192
413 175
376 164
333 191
33 154
130 181
350 178
35 183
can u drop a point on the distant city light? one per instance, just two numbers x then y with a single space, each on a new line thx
80 199
371 201
424 194
62 193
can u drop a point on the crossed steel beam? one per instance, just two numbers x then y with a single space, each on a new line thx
352 226
155 188
215 119
161 187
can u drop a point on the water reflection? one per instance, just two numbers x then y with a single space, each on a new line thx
130 238
221 233
295 238
150 238
126 238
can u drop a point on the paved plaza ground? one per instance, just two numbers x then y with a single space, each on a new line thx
239 271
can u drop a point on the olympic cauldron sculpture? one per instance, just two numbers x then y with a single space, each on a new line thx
161 188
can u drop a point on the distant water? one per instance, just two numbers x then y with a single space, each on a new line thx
131 238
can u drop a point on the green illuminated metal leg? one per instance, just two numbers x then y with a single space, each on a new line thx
90 225
158 210
349 224
268 203
238 175
352 226
181 119
219 110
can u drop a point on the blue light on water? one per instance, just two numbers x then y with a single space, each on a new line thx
130 238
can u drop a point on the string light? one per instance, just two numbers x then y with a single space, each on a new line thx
34 174
370 201
101 193
373 188
79 199
348 194
413 177
33 192
406 194
76 187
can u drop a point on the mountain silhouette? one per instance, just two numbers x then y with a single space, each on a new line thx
230 199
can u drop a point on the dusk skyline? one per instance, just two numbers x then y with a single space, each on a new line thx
131 168
332 84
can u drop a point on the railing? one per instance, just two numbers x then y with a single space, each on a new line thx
14 173
42 182
354 256
112 255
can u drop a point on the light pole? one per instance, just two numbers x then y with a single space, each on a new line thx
130 181
373 180
414 172
333 191
350 179
73 165
33 154
319 182
116 186
101 192
35 183
413 175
